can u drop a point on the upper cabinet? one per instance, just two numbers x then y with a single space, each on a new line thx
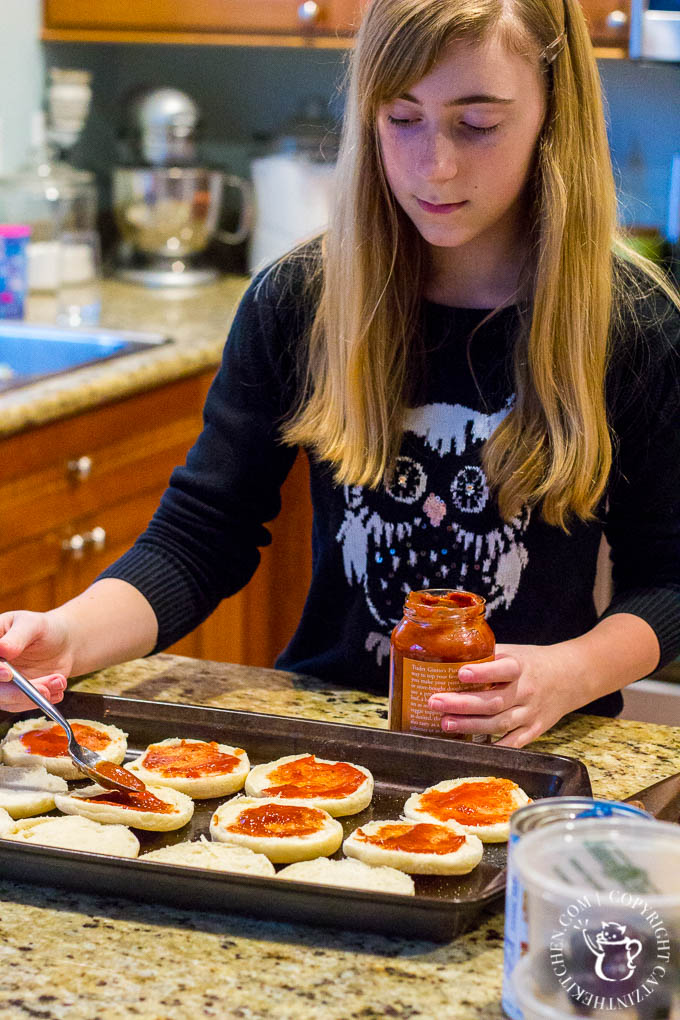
258 22
283 22
609 23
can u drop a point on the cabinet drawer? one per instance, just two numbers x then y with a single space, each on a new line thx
55 558
60 473
208 16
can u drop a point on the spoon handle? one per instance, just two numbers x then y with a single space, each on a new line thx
34 694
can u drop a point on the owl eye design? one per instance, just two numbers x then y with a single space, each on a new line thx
408 481
470 490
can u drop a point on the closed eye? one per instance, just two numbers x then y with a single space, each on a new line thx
400 121
481 130
405 122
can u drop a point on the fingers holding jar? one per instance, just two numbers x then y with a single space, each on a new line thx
528 697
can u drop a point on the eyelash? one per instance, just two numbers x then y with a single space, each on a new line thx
404 123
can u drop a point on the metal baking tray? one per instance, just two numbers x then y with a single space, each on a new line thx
401 763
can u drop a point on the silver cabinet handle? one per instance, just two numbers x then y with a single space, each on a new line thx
309 12
77 544
616 19
79 469
96 538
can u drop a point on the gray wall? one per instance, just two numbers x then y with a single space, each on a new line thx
246 94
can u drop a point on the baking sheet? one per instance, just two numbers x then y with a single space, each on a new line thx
401 764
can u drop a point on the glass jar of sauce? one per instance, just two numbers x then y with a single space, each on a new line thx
441 631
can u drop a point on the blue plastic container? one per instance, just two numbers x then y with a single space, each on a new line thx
13 269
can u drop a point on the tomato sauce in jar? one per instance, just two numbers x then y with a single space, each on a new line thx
441 631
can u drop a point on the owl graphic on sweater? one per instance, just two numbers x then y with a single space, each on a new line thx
436 525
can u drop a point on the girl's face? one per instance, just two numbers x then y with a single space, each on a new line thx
458 147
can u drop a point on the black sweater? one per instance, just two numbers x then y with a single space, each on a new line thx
437 524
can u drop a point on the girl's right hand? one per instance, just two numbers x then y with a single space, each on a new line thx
37 645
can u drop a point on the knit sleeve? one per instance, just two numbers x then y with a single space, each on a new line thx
203 542
643 520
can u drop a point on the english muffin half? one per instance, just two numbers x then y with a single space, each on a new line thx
158 808
418 848
350 874
214 856
482 805
284 832
40 741
199 768
25 792
338 787
70 832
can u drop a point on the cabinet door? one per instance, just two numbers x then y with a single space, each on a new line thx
75 494
609 22
210 16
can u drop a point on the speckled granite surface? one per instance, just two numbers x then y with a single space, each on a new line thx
196 319
78 957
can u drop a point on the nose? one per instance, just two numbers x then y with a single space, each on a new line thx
438 158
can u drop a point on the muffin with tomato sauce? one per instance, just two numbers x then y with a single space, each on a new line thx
40 741
481 805
418 848
202 769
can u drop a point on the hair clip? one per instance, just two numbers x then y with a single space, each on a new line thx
553 49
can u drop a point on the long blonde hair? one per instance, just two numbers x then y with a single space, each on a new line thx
554 447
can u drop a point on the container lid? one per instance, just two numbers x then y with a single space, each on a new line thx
583 856
14 230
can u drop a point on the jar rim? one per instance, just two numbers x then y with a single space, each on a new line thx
444 603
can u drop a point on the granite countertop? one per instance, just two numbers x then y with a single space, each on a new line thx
196 319
81 957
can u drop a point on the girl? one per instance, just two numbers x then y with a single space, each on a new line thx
484 377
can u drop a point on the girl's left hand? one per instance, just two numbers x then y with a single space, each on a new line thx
534 689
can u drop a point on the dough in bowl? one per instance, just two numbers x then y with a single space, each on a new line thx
158 808
213 856
350 874
199 768
285 832
337 787
40 741
28 791
482 805
418 848
69 832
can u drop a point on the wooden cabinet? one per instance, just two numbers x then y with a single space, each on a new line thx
258 22
204 21
75 494
609 23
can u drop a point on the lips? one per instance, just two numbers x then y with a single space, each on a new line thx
439 208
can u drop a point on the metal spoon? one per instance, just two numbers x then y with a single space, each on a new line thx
101 771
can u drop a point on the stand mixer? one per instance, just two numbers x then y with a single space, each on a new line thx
166 207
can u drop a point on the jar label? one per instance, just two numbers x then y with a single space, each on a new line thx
423 679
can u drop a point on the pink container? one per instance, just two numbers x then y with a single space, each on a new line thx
13 269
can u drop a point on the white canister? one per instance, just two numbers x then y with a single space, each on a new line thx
603 911
293 196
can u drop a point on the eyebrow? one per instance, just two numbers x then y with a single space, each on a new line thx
462 100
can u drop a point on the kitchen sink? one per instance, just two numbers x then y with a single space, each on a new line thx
31 352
